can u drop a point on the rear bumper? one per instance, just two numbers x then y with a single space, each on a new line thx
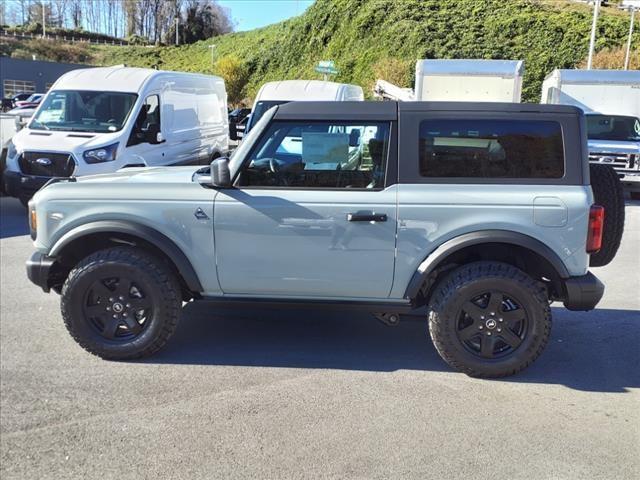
583 293
39 270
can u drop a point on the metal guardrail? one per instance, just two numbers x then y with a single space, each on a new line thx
66 38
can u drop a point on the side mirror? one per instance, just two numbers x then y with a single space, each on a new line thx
233 130
220 173
153 135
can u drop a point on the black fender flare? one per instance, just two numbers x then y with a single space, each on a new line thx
159 240
476 238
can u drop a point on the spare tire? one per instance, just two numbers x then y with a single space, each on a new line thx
608 193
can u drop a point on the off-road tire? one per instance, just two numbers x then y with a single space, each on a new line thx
159 285
462 284
609 193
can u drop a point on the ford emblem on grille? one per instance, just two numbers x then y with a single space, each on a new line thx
45 162
603 159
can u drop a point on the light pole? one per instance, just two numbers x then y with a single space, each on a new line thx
44 22
628 54
212 47
177 26
592 42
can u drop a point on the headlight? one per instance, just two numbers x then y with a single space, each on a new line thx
11 150
102 154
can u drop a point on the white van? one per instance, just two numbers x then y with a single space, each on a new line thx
277 93
99 120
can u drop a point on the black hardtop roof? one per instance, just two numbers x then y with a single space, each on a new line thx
388 110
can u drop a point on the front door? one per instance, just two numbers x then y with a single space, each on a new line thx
310 214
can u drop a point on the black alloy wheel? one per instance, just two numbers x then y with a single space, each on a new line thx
492 325
117 309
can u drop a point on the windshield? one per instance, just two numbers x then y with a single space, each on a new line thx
84 111
261 107
613 127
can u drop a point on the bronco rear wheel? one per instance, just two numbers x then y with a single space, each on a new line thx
121 303
489 319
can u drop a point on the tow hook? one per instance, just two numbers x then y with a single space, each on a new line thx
390 319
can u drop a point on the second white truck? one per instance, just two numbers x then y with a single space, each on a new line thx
611 101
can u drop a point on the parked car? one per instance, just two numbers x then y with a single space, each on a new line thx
277 93
611 100
31 102
99 120
460 80
20 97
238 122
482 212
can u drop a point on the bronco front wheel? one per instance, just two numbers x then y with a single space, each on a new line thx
489 319
121 303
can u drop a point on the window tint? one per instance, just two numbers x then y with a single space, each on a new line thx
319 155
491 149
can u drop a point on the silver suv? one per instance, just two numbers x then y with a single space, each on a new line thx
484 213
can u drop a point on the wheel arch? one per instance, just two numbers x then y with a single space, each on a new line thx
518 249
88 238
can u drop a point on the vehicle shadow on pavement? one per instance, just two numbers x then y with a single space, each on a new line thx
596 351
13 218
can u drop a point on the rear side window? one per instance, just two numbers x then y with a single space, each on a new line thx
477 148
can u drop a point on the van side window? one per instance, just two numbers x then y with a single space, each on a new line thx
491 149
148 122
319 155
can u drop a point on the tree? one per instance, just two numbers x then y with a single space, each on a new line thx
235 77
204 19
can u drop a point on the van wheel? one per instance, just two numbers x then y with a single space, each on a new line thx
121 303
489 319
609 193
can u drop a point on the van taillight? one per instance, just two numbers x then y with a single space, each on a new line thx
596 226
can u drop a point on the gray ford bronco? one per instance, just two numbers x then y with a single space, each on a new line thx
483 213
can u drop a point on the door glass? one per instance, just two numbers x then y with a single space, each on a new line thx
319 155
148 122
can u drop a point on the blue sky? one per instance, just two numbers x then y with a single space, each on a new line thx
250 14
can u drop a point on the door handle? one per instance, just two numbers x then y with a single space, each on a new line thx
366 217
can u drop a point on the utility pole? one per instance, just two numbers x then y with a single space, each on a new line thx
592 42
44 21
628 55
177 27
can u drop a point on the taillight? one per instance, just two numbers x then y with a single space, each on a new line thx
596 227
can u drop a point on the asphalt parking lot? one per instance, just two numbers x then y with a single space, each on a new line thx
304 394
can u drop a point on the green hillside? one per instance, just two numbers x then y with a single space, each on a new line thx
370 38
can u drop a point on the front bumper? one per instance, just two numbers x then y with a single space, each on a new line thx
19 185
630 181
583 293
39 268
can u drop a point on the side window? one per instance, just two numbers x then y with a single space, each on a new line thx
476 148
147 124
319 155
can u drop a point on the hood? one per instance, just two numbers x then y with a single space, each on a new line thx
65 142
613 146
143 175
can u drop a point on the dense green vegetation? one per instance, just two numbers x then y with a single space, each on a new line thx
362 36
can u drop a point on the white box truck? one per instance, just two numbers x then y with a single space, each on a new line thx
611 102
98 120
463 80
284 91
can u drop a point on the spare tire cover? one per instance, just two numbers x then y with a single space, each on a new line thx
609 193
